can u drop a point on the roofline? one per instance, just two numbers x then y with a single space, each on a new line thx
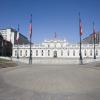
12 29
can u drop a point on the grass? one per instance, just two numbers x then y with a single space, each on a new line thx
2 61
97 65
7 63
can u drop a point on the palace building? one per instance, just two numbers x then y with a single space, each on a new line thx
56 49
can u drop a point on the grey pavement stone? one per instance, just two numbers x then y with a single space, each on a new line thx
50 82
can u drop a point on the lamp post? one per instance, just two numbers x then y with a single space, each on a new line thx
30 29
80 33
94 38
17 39
30 58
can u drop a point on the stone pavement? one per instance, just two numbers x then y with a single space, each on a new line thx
50 82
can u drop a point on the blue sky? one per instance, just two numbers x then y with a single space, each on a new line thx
50 16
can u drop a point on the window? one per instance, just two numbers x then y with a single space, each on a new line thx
85 52
61 52
96 52
68 52
26 53
55 45
15 52
48 46
73 52
20 52
48 52
90 52
42 52
36 52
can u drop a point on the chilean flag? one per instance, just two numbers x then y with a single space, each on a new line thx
94 33
81 30
30 26
17 37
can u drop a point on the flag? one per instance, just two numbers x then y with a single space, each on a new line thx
17 37
80 22
94 33
30 26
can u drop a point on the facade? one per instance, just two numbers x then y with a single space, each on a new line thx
10 34
56 49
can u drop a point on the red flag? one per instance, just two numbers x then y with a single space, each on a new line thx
94 33
30 26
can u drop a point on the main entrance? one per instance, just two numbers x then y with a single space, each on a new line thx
55 54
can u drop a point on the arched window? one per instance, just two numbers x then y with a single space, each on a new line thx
90 52
36 52
68 52
96 52
48 52
26 53
20 52
85 52
73 52
42 53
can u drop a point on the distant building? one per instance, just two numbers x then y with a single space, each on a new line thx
5 47
89 39
10 34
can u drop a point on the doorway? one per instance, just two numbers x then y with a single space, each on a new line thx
55 54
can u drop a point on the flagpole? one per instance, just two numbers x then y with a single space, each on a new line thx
17 44
81 60
94 37
30 57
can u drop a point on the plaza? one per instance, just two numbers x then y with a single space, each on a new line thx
50 82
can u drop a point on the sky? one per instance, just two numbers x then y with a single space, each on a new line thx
50 16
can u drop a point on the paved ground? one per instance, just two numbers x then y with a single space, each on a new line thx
50 82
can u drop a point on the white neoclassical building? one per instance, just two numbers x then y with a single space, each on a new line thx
56 49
